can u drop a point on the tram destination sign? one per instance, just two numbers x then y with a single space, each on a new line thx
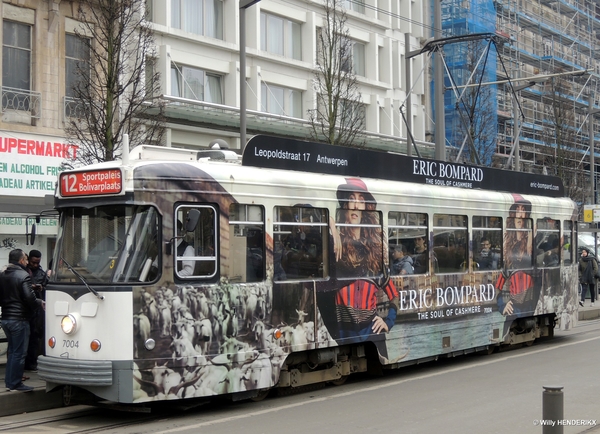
288 154
91 183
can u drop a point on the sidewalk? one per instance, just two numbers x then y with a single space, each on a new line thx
17 402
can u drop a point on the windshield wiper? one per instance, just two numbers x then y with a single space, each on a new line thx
76 273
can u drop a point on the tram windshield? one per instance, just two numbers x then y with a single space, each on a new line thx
108 244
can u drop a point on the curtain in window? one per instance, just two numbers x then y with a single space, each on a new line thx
213 89
263 31
176 14
275 100
295 103
358 59
16 56
192 16
214 19
193 83
294 40
275 35
77 60
175 82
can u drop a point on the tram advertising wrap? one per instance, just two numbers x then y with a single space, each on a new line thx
193 279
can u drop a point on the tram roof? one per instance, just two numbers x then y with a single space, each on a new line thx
288 154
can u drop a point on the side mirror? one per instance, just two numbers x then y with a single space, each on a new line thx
32 235
191 222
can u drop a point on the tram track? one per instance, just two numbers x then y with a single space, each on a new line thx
77 420
60 422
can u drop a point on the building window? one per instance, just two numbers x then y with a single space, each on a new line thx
196 84
77 63
358 58
202 17
354 116
357 61
16 66
355 5
280 36
281 100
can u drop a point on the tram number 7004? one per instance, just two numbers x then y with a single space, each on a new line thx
70 344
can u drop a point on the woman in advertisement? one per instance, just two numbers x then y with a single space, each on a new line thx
356 303
515 286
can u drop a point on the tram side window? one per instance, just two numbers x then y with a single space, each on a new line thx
195 252
450 242
518 243
407 235
300 236
567 245
246 243
487 243
547 243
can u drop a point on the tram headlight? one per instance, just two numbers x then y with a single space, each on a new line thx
70 323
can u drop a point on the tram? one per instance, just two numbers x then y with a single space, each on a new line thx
182 274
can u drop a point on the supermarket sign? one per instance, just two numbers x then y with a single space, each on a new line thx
30 164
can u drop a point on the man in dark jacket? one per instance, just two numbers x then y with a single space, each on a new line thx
39 279
18 302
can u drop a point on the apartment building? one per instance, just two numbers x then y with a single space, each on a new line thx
199 61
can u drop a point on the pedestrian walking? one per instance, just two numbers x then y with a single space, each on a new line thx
39 280
18 302
588 269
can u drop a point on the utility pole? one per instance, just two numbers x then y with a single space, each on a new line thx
243 5
440 113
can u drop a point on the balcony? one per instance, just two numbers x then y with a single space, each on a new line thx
75 108
21 105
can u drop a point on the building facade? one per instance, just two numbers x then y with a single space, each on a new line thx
198 56
199 61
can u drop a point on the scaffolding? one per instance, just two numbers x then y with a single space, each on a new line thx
542 37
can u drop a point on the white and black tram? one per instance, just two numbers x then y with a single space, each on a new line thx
182 274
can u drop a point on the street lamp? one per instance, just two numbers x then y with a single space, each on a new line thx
244 4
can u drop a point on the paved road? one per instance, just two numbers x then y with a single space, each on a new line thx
500 393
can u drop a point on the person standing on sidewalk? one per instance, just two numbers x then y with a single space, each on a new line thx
39 280
588 268
18 302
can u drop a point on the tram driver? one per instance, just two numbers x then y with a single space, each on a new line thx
184 249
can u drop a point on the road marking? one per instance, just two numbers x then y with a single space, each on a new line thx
377 387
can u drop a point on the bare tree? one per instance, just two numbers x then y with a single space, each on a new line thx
339 114
474 122
115 80
561 137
